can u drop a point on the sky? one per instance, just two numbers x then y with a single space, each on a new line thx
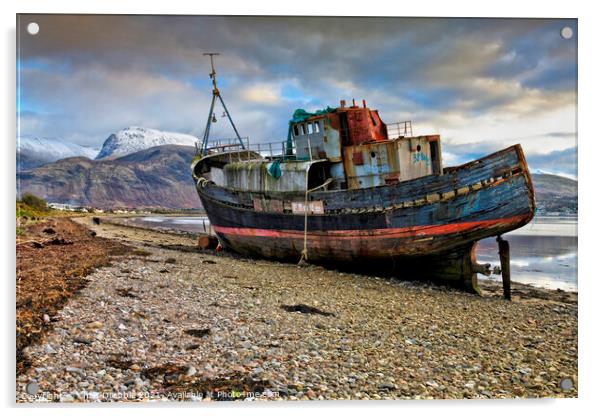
482 84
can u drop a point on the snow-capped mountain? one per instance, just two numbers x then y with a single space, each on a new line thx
134 139
35 151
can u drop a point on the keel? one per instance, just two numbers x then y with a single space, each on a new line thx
461 269
456 268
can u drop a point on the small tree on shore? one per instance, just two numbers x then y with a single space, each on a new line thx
34 202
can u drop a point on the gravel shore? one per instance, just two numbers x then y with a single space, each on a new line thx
169 322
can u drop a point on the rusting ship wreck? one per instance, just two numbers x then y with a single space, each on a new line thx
346 189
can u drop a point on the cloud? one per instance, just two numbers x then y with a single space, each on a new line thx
487 81
92 102
541 159
264 94
563 162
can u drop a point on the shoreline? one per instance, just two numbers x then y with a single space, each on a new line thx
490 285
168 318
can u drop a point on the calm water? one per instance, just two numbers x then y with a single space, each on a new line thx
191 224
543 253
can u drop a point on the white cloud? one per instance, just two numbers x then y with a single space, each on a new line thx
266 94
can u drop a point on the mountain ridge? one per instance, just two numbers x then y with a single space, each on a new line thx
158 177
37 151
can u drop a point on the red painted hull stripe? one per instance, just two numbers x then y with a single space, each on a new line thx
405 232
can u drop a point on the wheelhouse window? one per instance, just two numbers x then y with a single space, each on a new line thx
310 128
295 129
303 131
316 126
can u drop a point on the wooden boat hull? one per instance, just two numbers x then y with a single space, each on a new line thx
423 228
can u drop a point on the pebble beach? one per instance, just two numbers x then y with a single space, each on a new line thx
167 321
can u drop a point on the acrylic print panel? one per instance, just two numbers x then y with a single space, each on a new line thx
173 171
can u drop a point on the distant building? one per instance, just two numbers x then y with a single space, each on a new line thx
62 207
68 207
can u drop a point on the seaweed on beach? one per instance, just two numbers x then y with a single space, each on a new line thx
230 386
306 309
198 333
49 274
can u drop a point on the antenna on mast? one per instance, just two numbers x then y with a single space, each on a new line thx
211 117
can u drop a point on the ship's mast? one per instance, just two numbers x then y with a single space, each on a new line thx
211 117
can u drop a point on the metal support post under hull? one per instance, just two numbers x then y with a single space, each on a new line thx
504 251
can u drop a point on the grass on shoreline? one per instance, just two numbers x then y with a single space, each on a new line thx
30 210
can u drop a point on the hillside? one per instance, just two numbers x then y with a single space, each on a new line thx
555 194
151 178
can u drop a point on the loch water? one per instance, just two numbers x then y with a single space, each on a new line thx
542 253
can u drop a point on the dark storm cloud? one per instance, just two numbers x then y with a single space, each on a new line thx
90 75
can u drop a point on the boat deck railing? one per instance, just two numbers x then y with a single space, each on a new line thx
223 145
399 129
236 150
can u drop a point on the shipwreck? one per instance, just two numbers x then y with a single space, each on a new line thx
350 191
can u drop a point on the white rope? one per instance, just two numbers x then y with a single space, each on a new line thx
304 256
